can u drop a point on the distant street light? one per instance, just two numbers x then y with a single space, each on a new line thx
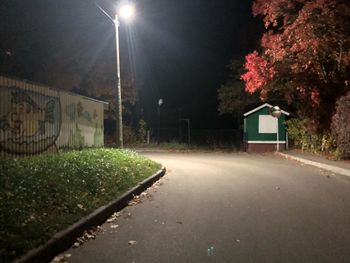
127 13
160 103
276 112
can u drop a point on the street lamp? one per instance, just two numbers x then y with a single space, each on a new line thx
160 103
126 12
276 112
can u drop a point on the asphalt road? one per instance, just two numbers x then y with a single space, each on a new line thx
243 208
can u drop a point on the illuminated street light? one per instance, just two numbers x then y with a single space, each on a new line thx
126 12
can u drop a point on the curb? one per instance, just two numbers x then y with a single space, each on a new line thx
331 168
64 239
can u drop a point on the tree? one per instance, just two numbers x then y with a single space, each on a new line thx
231 95
305 55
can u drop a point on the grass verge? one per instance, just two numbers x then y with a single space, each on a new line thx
44 194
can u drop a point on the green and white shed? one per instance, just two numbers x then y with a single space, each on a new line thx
260 130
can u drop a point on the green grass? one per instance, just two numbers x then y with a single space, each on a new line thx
44 194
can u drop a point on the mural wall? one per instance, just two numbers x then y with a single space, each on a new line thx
36 119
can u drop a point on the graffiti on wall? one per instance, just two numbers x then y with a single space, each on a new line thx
70 111
30 122
76 138
36 119
77 112
98 136
83 113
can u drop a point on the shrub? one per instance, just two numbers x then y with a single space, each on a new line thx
297 132
340 127
304 138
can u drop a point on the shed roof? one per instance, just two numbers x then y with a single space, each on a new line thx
261 107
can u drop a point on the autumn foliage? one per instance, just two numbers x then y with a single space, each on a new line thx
260 74
305 55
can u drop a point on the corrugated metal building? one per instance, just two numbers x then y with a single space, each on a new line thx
35 118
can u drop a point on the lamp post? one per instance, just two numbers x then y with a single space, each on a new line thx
127 13
276 112
160 103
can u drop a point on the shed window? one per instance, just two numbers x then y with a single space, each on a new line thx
267 124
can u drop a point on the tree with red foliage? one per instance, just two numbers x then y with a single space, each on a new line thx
261 73
305 55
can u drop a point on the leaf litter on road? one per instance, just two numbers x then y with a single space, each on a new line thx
137 199
113 217
87 235
61 258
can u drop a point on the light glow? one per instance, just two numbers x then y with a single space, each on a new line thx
127 12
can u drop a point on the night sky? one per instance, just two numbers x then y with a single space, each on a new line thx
177 50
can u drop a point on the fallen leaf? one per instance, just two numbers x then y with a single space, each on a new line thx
76 244
59 259
89 236
113 217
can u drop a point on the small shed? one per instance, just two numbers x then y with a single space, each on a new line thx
260 130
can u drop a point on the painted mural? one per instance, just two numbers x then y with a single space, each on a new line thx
36 119
98 136
76 138
30 121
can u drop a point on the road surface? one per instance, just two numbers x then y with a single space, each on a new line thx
214 207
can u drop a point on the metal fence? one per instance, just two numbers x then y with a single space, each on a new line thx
35 118
203 137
